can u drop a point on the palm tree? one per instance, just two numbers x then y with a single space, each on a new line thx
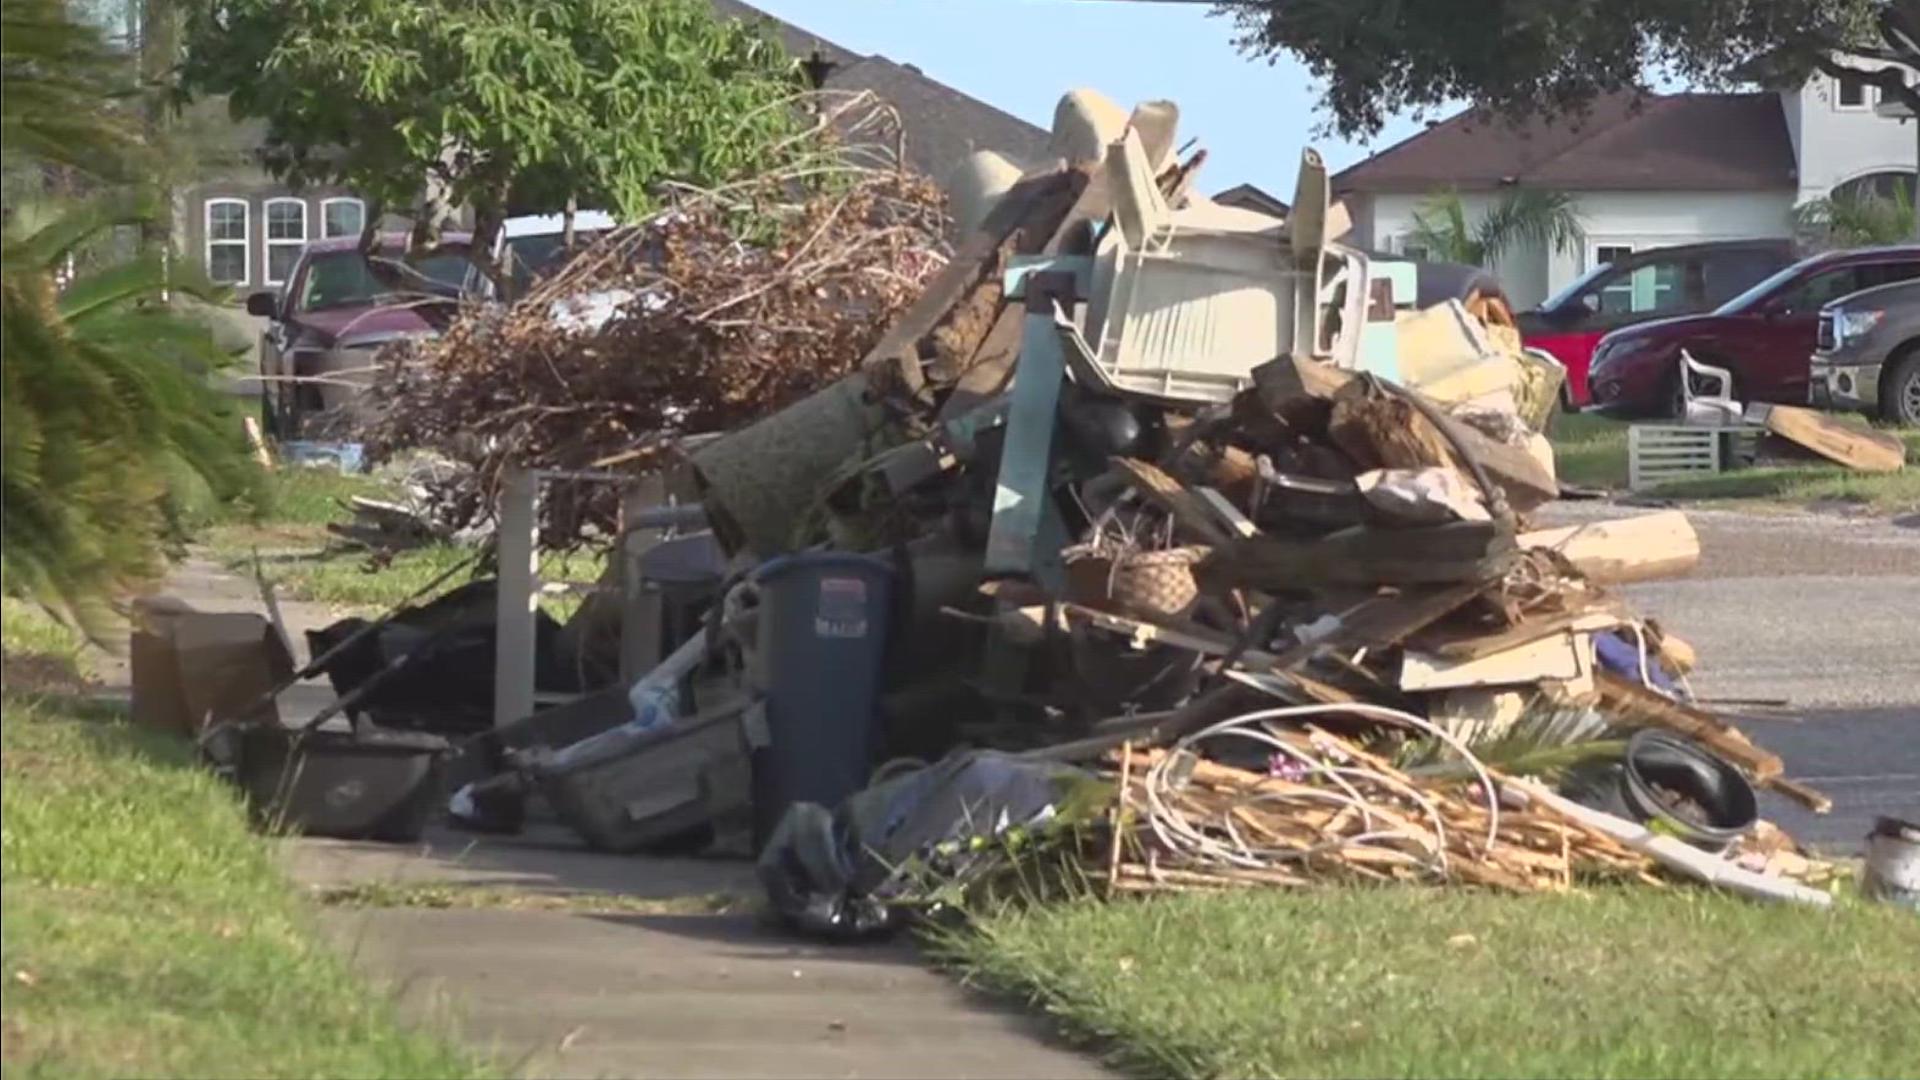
61 92
104 393
1857 219
1523 215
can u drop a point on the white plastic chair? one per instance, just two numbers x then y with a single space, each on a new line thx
1715 408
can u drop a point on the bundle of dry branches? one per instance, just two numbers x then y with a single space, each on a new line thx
728 305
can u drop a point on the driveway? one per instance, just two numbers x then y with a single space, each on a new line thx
1808 630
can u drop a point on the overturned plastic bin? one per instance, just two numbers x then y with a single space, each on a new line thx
823 624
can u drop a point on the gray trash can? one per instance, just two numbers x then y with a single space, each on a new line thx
823 625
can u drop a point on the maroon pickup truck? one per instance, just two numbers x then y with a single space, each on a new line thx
334 313
1764 336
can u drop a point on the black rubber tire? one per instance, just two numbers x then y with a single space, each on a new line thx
1900 389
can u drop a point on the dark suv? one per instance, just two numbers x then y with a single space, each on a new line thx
1763 336
1867 353
1642 286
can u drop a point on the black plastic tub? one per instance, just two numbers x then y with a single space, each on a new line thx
1658 766
365 785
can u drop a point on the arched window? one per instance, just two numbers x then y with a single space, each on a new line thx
1879 185
344 216
286 235
229 251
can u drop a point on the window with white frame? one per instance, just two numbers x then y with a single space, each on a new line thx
1652 287
1412 249
342 217
228 261
1851 92
286 235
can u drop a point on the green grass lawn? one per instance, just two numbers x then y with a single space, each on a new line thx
149 932
1403 982
306 563
1591 451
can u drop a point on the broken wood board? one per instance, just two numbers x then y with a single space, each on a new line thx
1856 448
1463 551
1299 391
1379 430
975 266
1646 547
1531 630
1634 705
1189 511
1566 656
1049 228
1305 393
1384 621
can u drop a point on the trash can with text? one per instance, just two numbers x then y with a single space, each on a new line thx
822 641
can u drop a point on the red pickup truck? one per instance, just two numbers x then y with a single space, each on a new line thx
1637 287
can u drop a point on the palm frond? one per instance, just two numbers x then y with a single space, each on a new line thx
1857 220
1531 216
1440 227
57 78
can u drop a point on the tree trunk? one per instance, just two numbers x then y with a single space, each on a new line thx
158 43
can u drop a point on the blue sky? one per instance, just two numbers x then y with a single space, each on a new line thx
1021 55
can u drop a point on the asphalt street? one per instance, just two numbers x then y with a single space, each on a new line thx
1808 630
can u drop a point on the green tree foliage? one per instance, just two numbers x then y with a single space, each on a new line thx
63 92
1860 219
103 392
1382 57
1526 215
482 102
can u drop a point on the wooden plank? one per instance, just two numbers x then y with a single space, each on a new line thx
1528 631
1621 550
1637 706
1385 620
1189 511
1302 393
1867 451
976 264
518 597
1048 225
1563 657
640 607
1382 431
1465 551
1299 391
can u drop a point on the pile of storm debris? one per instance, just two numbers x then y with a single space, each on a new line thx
1163 533
725 306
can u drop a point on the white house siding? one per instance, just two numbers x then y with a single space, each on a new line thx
1834 145
1636 219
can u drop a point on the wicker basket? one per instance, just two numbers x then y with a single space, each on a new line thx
1149 584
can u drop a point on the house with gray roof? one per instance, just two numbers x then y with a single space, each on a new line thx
1649 172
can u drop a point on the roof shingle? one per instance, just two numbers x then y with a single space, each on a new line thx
1673 142
942 124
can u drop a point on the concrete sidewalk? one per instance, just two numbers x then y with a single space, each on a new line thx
586 995
605 993
573 992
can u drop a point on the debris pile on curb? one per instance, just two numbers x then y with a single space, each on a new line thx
1141 494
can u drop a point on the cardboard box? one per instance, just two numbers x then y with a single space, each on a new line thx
190 667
